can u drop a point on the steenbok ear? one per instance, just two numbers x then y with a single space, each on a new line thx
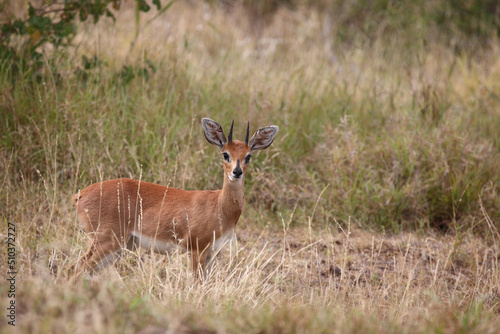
263 138
214 133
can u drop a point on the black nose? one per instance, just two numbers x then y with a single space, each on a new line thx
237 172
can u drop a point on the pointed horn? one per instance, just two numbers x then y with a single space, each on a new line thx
230 136
248 132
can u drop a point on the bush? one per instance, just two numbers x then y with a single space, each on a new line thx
51 26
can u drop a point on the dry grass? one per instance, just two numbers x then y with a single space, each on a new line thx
377 209
269 280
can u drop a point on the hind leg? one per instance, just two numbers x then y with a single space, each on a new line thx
102 252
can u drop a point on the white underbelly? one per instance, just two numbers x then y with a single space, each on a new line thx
155 245
162 246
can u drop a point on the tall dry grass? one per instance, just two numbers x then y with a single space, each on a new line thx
376 209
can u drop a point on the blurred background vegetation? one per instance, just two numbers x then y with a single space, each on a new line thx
388 110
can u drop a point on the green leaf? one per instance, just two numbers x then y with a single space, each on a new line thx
157 3
143 6
31 10
110 14
19 25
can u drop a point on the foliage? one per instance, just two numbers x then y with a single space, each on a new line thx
52 25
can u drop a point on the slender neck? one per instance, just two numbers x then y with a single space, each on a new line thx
232 200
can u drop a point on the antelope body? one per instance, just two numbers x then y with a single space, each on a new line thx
125 213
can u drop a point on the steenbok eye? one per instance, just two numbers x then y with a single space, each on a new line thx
226 156
247 159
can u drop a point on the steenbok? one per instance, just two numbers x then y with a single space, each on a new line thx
124 213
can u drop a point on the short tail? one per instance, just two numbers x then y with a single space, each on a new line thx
76 198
